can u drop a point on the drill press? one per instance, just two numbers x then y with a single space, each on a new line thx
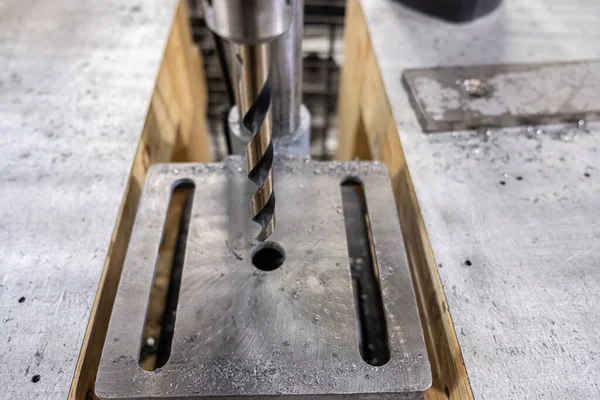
324 309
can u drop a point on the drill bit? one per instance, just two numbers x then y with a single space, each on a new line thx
254 100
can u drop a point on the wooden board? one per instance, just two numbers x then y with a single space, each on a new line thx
365 113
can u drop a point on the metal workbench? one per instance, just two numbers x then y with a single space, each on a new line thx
511 213
76 79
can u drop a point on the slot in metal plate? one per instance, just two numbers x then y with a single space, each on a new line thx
244 333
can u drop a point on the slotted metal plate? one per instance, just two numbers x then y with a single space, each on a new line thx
245 333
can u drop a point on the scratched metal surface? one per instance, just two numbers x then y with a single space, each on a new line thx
244 333
75 81
525 310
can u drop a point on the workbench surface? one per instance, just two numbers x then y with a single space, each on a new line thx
76 78
521 207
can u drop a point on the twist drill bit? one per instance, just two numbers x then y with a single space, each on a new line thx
254 99
251 27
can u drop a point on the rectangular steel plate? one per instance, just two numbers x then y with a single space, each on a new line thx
242 332
519 94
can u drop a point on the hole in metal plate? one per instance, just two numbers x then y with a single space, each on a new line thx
373 338
268 256
162 306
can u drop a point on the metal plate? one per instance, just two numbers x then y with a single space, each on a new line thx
242 332
510 95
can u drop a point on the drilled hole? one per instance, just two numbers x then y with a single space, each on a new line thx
22 299
519 178
587 174
468 262
36 378
502 183
268 256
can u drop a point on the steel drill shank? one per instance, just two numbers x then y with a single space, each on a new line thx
253 90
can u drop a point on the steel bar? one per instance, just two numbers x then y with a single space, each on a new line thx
501 95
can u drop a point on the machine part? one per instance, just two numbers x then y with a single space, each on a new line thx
290 127
448 98
319 76
295 144
253 89
248 21
286 73
285 49
290 330
229 90
453 10
250 25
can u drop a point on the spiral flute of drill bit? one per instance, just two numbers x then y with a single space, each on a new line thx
254 99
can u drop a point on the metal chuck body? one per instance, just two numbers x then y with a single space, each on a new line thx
251 26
